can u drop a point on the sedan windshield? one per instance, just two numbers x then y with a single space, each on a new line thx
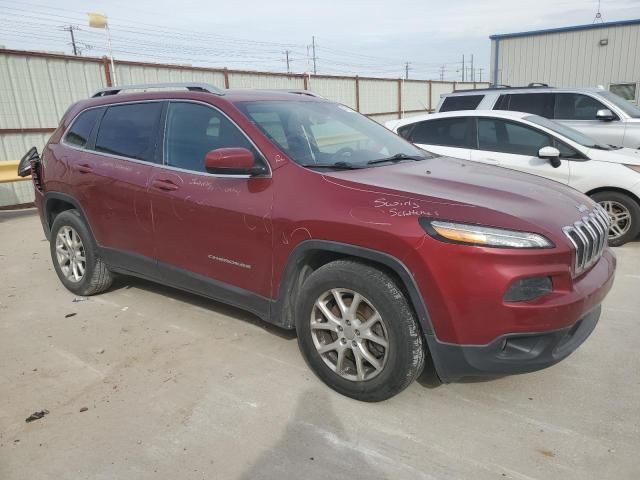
328 135
625 105
567 132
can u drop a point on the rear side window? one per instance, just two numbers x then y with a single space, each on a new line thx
130 130
80 131
193 130
575 106
460 102
536 103
450 132
500 136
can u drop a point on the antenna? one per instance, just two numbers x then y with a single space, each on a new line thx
598 16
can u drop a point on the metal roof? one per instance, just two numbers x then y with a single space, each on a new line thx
567 29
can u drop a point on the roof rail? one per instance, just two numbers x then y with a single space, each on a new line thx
194 87
500 87
305 92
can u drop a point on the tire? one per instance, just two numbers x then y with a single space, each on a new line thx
69 233
617 203
399 363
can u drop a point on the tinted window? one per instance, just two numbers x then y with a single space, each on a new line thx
405 131
193 130
129 130
80 131
536 103
574 106
507 137
451 132
460 102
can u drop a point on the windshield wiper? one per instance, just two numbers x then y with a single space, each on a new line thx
336 165
398 157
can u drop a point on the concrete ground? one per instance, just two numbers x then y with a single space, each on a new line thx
179 387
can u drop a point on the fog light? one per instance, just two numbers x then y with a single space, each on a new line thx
527 289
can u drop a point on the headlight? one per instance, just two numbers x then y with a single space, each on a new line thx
483 236
633 167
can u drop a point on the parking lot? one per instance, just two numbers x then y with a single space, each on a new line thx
176 386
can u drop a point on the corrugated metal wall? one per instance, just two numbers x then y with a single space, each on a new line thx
37 88
571 58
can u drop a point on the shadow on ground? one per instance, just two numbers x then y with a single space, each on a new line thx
314 445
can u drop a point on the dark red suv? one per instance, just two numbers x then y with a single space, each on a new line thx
314 217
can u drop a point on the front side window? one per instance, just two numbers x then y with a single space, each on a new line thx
461 102
497 135
536 103
130 130
575 106
193 130
80 131
450 132
324 134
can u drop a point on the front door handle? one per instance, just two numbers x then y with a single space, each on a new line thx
84 168
165 184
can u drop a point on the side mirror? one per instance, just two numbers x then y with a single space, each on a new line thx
552 154
232 161
605 115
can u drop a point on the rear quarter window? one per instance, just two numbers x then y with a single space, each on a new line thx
461 102
80 131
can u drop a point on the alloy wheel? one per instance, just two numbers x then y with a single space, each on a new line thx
620 218
349 334
70 254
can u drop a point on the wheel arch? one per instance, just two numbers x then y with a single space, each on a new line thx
56 203
614 189
312 254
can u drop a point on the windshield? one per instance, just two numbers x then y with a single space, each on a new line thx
625 105
568 132
323 134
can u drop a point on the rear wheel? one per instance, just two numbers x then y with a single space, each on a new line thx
357 331
74 256
624 213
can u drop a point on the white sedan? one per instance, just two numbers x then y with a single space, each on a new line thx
536 145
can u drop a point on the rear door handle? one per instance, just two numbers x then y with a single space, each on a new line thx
164 184
84 168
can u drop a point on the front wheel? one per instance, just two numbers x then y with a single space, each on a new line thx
357 331
624 213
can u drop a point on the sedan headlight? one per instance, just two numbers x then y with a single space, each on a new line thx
633 167
479 235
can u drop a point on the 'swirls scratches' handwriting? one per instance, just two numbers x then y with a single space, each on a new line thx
400 208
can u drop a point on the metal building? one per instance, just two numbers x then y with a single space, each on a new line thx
606 54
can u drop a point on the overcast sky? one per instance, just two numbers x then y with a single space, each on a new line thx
353 36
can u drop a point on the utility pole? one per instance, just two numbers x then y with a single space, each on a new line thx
442 73
473 74
406 70
313 51
70 29
286 53
463 67
480 74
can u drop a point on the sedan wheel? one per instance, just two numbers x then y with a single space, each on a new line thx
620 219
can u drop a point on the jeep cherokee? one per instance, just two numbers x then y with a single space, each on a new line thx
315 218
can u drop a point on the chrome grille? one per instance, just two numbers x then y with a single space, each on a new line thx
589 238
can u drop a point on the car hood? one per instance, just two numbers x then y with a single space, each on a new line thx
627 156
465 191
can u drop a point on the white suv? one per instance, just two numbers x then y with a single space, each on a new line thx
600 114
536 145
